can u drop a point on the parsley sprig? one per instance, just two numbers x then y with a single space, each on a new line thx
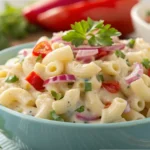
95 32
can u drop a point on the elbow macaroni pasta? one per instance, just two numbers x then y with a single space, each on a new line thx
56 85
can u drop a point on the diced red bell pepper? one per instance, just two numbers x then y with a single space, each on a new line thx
36 81
114 12
42 48
32 11
148 73
111 86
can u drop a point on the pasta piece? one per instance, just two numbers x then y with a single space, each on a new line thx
110 67
114 112
133 115
136 103
43 38
147 105
148 113
141 90
16 95
106 96
63 54
68 103
79 84
57 45
54 68
44 106
120 120
140 44
3 73
137 56
96 85
28 64
40 69
17 70
93 103
82 70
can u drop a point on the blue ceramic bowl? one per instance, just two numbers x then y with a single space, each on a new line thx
39 134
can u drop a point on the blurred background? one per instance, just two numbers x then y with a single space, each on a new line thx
26 20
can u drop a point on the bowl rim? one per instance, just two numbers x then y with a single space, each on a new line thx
136 17
65 124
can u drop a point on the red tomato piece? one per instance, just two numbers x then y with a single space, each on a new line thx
42 48
148 73
101 54
111 86
35 80
107 105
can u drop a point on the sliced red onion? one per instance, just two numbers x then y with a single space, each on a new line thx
56 39
83 117
106 48
127 108
25 53
86 60
135 74
60 79
86 53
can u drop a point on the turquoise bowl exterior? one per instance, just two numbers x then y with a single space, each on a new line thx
39 134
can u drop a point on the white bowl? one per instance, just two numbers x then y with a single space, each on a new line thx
138 12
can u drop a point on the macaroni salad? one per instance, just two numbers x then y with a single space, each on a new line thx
85 80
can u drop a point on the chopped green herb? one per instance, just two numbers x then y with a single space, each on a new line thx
120 54
131 43
146 63
13 25
100 77
87 86
80 109
56 117
95 32
39 58
57 96
12 79
128 63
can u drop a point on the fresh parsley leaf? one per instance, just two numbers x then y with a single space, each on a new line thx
131 43
56 117
39 58
146 63
100 77
80 109
87 86
119 53
95 32
12 79
57 96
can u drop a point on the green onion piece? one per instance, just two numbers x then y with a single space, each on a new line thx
87 86
146 63
12 79
57 96
100 77
56 117
120 54
80 109
39 58
131 43
128 63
